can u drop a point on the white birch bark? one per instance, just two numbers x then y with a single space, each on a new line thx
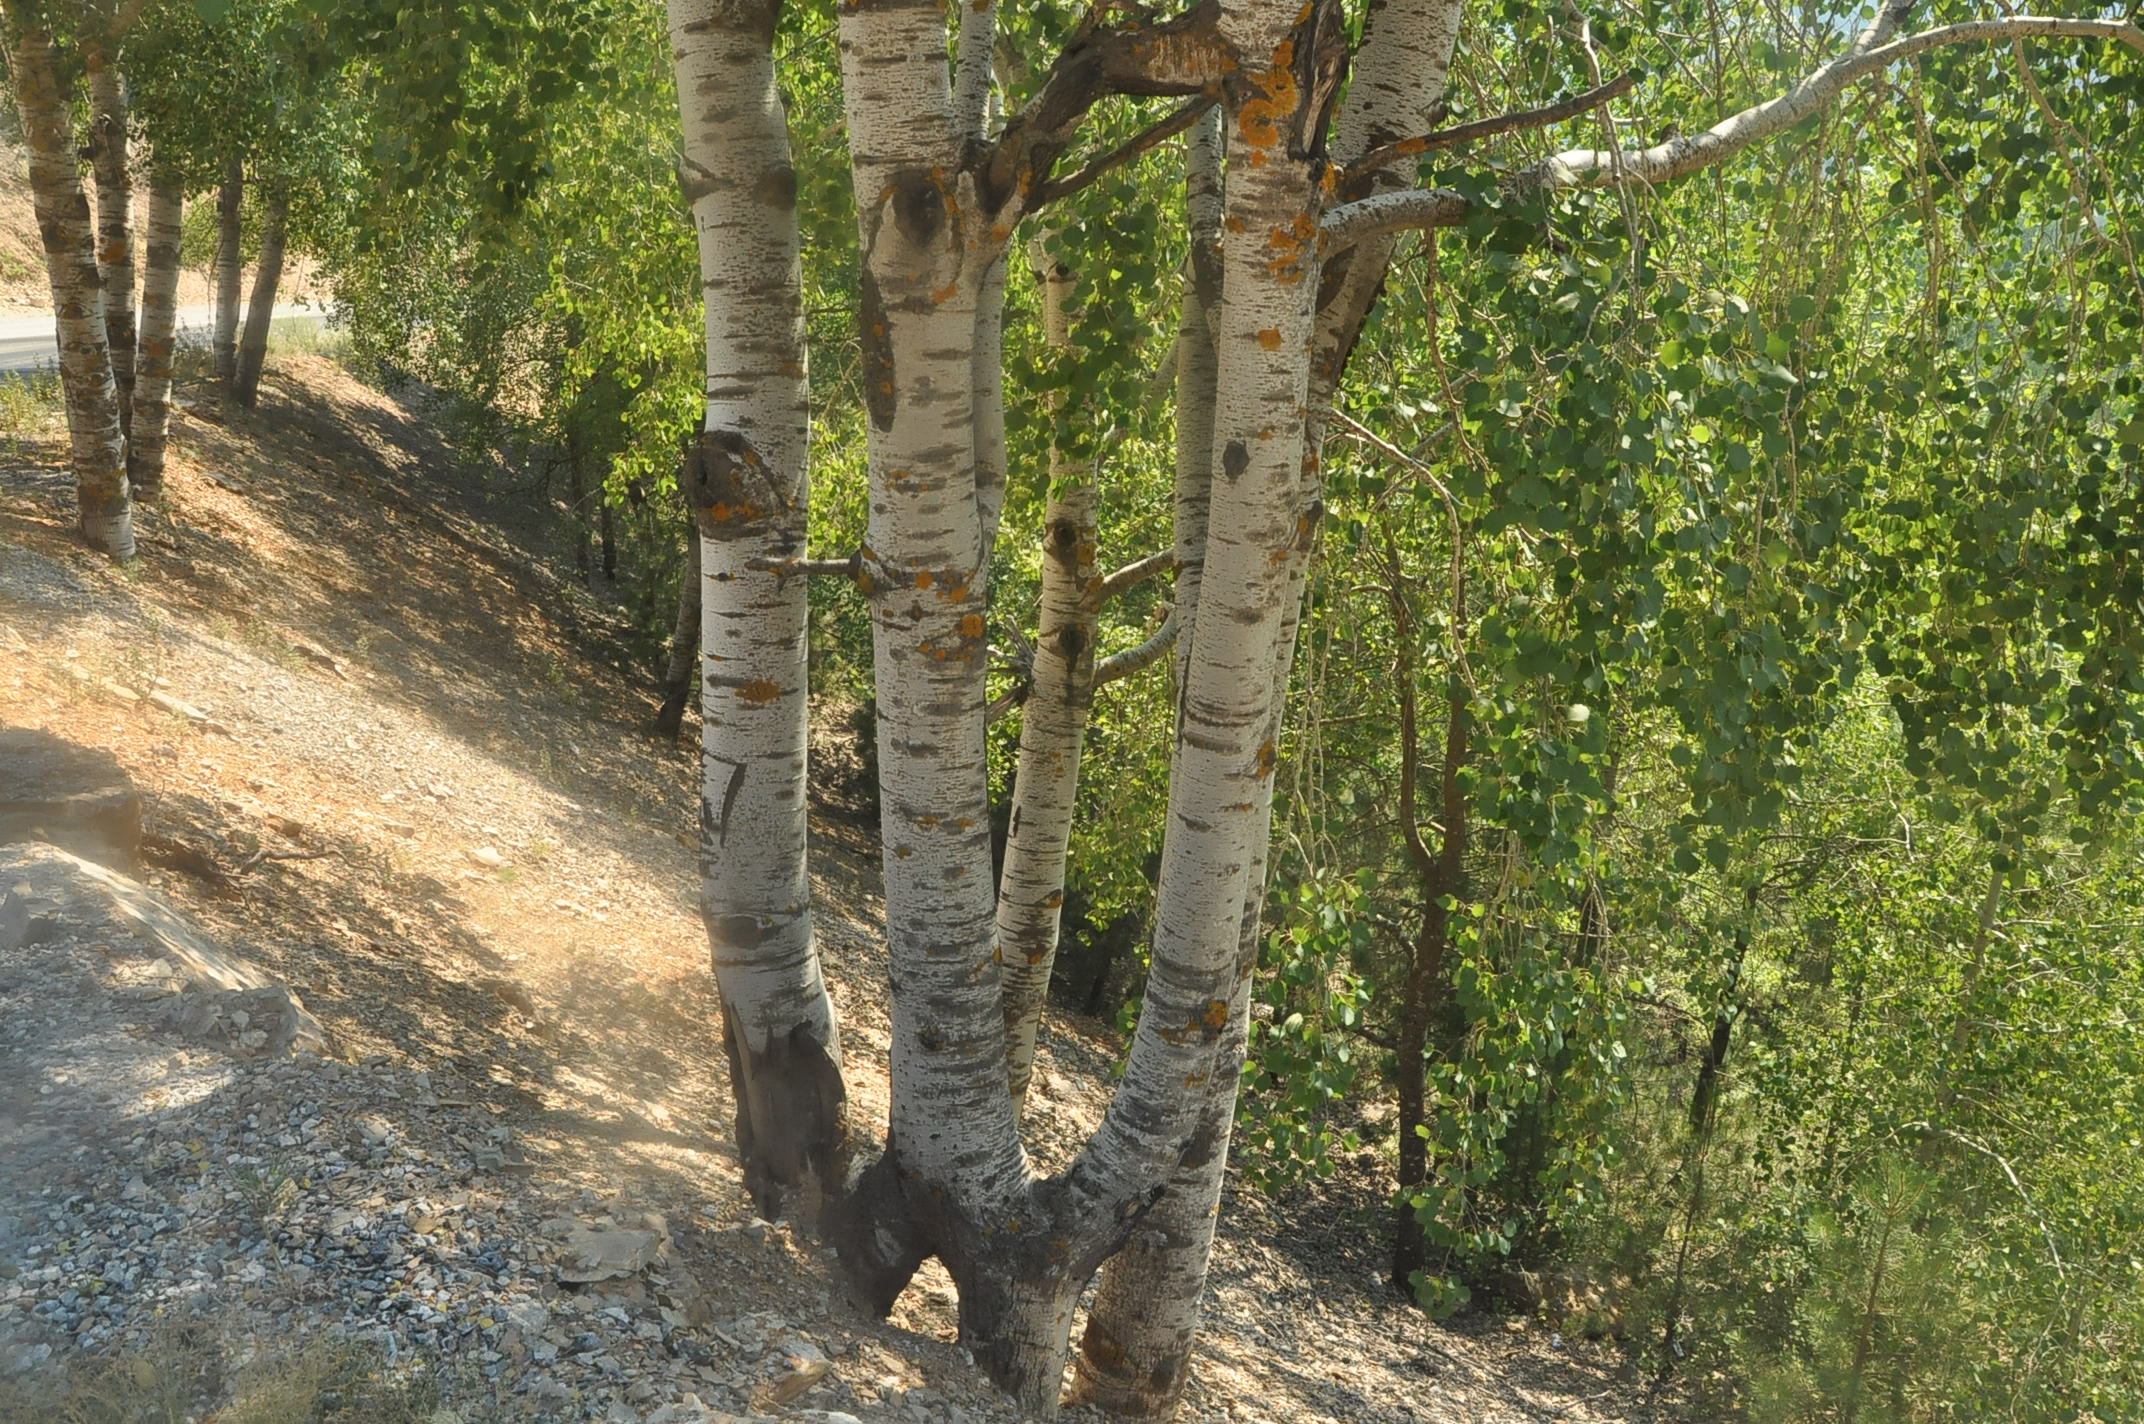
115 215
749 491
1399 83
926 268
260 306
1220 784
159 335
1135 1355
95 439
1197 371
229 268
1053 725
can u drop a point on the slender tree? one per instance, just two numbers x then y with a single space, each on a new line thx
228 270
108 137
749 492
260 307
95 437
158 339
681 671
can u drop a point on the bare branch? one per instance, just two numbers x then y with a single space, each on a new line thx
2046 1233
1678 157
1687 153
1005 701
1159 134
1136 572
1140 658
1110 55
1382 213
1391 451
1489 128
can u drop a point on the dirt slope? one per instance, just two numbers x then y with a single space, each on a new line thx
387 668
24 290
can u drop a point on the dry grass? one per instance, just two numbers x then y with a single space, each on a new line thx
185 1377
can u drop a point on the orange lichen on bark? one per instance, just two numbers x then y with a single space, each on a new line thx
1289 246
1260 118
759 692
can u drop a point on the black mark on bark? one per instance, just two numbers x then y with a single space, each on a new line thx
879 396
918 208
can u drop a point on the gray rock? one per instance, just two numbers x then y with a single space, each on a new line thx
223 999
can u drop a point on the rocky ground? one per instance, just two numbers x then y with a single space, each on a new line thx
392 763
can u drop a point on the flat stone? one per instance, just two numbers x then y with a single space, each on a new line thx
222 998
608 1255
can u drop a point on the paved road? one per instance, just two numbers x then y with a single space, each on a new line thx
28 342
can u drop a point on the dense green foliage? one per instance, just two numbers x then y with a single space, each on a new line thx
1779 535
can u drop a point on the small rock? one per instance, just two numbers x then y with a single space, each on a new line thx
21 1359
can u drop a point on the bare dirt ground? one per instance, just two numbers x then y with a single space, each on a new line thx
384 663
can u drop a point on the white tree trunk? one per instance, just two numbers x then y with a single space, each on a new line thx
1143 1320
1398 85
159 335
260 307
953 1161
749 494
1136 1352
1197 373
1220 785
115 216
1053 726
95 439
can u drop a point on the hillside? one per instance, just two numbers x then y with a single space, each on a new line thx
486 895
23 287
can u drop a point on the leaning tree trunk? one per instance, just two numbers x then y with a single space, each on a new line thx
678 675
953 1180
95 439
159 335
749 495
115 204
1053 725
260 307
230 264
1135 1356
